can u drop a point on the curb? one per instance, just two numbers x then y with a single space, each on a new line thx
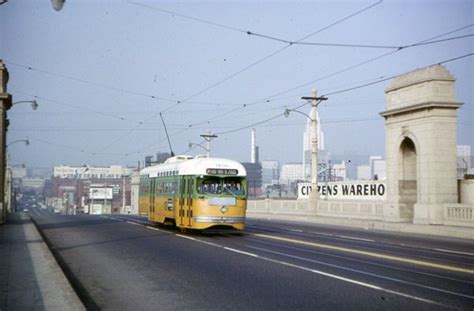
84 301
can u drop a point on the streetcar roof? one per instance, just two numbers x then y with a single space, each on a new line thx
187 165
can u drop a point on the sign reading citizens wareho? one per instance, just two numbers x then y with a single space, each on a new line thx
346 190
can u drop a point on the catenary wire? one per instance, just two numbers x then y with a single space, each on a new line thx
268 98
346 90
270 55
241 71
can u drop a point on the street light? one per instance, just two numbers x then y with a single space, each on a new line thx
27 142
34 103
314 196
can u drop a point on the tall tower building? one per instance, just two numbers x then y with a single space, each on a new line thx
307 136
254 147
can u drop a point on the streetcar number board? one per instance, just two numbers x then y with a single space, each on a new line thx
221 171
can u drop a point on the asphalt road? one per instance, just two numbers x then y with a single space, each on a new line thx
126 263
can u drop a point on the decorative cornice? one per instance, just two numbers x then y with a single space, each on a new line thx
432 73
422 106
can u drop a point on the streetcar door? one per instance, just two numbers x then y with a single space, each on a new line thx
189 213
182 191
152 200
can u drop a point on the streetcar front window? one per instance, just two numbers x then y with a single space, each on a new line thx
210 185
216 185
233 186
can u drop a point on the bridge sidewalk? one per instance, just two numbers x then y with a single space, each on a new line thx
30 278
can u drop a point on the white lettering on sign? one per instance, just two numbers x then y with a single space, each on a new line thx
353 190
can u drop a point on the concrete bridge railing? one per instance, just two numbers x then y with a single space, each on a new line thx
454 214
370 210
459 215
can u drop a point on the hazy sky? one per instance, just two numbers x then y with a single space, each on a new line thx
102 71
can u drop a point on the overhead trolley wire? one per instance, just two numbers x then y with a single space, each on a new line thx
356 65
236 73
394 76
341 91
101 85
196 19
270 55
62 103
346 45
266 119
268 98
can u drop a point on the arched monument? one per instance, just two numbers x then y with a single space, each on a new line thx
420 145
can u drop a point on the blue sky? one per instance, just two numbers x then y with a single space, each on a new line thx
103 70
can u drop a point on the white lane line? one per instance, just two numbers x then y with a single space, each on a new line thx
133 223
353 238
364 262
156 229
295 230
453 252
153 228
334 276
241 252
363 272
186 237
325 234
337 277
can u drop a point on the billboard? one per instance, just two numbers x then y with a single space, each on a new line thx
100 193
346 190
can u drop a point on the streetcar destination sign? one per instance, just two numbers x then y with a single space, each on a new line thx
221 171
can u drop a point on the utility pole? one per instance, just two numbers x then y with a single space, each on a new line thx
208 137
5 104
314 196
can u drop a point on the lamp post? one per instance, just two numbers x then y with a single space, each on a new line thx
34 103
26 141
314 196
5 104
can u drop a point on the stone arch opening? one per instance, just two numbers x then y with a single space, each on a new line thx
408 178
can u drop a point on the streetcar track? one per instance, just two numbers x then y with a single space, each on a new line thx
387 245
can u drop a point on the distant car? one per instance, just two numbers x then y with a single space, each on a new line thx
25 210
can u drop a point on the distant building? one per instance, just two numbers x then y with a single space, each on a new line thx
379 170
363 172
134 193
254 178
89 189
376 169
161 157
254 147
18 172
291 173
270 173
91 172
338 172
